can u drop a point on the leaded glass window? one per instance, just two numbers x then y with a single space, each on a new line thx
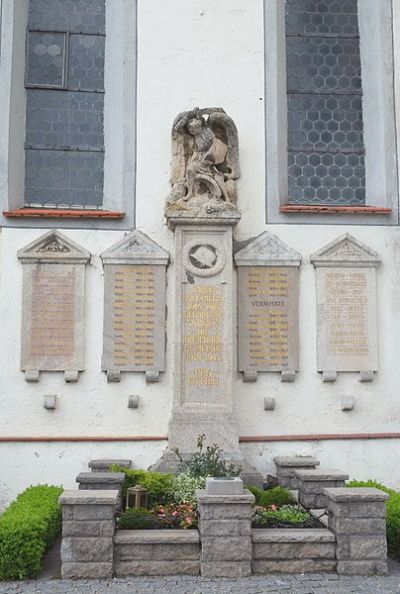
324 94
64 145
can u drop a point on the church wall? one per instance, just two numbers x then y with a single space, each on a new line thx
202 53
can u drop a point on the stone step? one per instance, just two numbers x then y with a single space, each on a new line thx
104 465
312 482
287 465
101 481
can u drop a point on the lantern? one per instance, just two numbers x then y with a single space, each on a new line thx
136 497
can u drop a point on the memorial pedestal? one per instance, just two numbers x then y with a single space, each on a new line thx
205 345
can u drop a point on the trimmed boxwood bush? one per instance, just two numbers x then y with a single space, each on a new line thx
277 496
392 515
160 486
27 528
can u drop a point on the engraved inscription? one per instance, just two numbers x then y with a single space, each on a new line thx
53 313
268 318
347 313
134 316
268 324
203 334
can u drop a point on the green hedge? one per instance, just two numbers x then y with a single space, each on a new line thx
276 496
392 515
160 486
27 528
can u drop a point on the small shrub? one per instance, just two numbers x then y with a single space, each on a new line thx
137 519
185 487
207 462
392 515
276 496
27 528
287 514
160 486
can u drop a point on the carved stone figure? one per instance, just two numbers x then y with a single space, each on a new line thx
205 162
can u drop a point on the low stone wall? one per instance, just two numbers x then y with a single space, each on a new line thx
225 546
357 517
293 551
88 526
157 552
225 529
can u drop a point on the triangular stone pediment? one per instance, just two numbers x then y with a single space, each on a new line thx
53 247
267 250
135 248
346 251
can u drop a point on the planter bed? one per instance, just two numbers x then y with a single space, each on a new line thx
293 551
157 552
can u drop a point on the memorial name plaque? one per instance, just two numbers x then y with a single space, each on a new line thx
346 308
268 289
53 306
134 307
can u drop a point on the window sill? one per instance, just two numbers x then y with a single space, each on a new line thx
321 209
58 213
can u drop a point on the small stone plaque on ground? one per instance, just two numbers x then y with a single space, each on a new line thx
346 307
134 306
53 304
268 299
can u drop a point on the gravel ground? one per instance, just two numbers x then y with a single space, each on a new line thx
300 584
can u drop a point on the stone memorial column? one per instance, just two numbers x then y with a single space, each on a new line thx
204 339
201 209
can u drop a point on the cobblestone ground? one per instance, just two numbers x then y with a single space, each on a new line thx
301 584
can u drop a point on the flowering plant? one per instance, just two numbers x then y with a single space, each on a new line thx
177 515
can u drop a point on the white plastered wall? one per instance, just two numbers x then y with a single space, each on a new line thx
202 53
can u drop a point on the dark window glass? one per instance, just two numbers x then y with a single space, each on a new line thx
325 127
65 103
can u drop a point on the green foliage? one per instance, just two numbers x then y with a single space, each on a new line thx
185 487
207 461
287 514
392 515
137 519
370 483
276 496
393 525
27 528
160 486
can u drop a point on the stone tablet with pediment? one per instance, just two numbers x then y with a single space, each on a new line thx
346 308
134 307
268 301
53 306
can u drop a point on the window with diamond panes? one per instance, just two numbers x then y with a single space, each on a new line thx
324 94
64 145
